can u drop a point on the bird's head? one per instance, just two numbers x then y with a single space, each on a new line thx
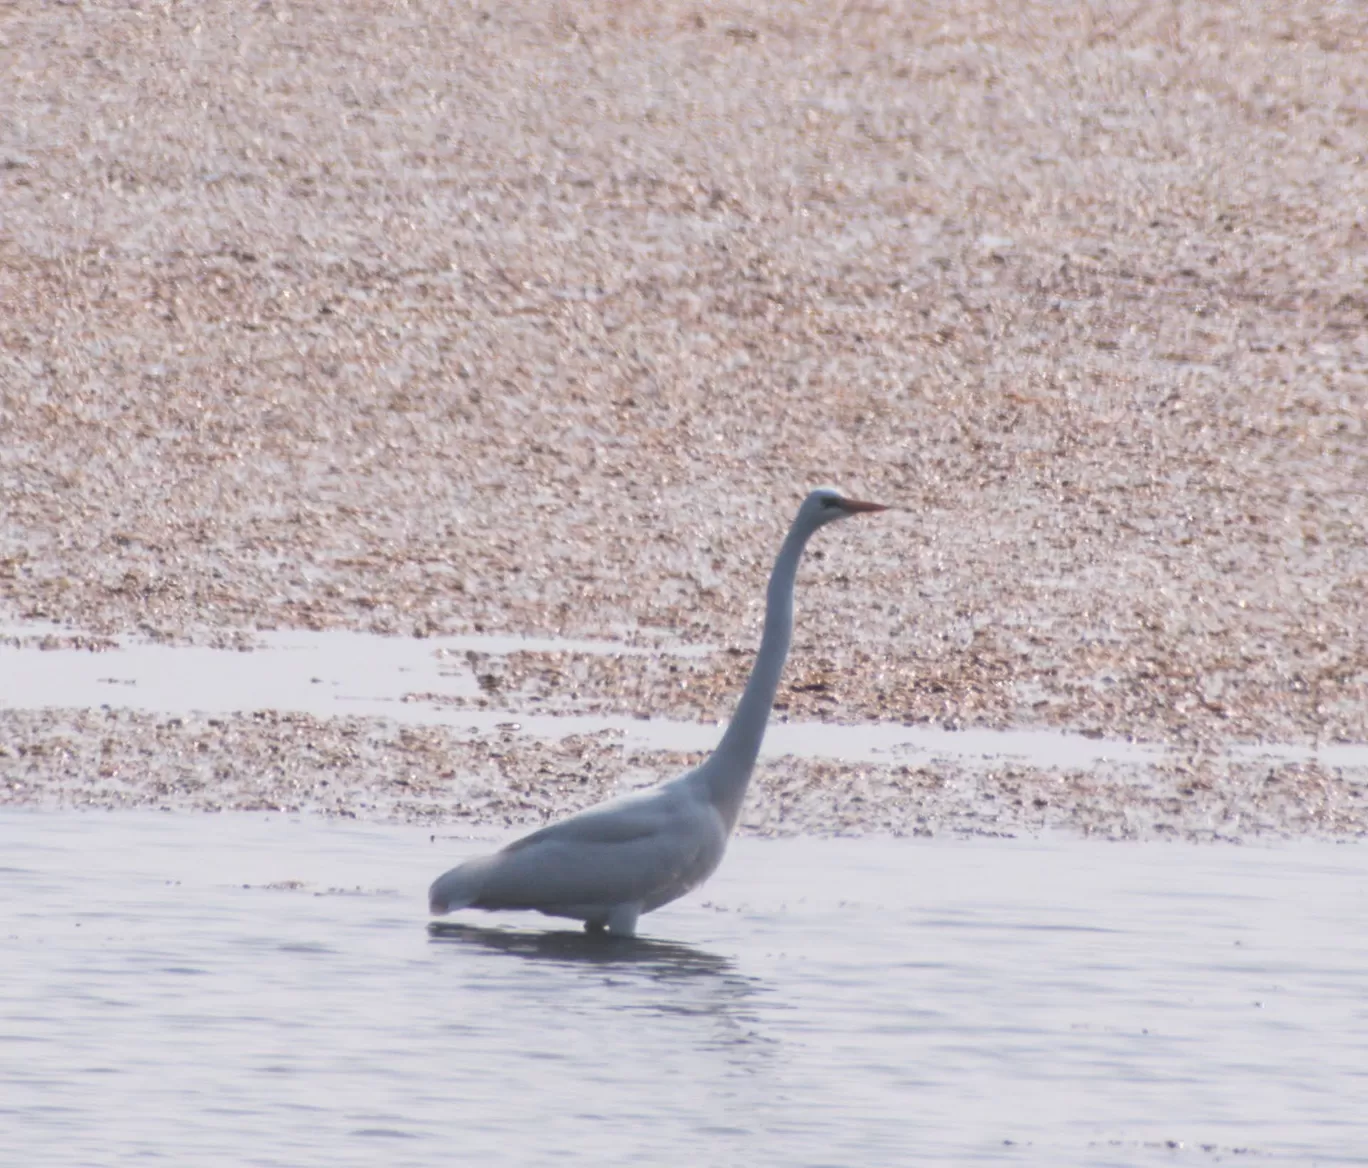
825 506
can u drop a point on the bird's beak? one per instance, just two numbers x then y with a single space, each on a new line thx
857 505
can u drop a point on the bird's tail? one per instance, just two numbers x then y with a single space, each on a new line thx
460 887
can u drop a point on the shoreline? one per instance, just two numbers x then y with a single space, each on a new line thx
453 321
374 769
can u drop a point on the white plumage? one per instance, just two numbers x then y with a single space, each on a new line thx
608 865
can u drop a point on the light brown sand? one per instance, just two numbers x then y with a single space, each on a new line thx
542 317
109 759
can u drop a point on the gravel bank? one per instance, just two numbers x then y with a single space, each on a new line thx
542 318
368 768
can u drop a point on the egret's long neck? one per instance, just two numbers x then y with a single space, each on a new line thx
728 771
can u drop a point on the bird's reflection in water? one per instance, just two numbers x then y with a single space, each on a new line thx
666 960
701 983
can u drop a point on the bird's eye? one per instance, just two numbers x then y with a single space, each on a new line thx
831 501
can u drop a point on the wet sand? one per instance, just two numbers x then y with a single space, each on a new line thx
542 320
486 772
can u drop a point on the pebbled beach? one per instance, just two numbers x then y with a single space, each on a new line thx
541 319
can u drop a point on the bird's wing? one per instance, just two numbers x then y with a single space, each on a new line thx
618 822
610 855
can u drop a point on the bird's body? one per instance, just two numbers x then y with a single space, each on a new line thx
611 863
604 866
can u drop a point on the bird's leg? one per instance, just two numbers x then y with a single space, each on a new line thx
622 920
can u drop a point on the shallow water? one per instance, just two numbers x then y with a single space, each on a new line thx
336 673
247 990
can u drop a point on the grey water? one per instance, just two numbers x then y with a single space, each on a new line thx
253 990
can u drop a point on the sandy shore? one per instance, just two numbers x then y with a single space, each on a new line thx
366 768
543 318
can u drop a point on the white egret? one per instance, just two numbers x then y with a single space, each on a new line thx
609 864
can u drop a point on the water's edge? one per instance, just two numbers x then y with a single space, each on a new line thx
430 682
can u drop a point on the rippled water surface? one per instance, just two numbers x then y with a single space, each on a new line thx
242 990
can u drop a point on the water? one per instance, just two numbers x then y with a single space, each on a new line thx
336 673
266 991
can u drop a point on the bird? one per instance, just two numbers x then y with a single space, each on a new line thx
607 865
